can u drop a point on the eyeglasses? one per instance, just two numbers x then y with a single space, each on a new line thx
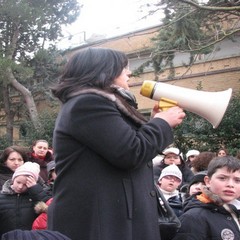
170 177
171 156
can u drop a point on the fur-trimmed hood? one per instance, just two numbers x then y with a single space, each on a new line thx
121 101
206 199
42 207
6 188
210 197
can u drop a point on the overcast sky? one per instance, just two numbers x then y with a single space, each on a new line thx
111 17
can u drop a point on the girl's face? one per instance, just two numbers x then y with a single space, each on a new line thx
172 158
41 149
14 161
192 158
19 184
196 187
169 183
122 80
225 184
222 153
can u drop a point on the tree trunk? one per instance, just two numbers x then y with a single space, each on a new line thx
27 95
9 115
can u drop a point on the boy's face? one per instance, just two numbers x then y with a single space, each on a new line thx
169 183
225 184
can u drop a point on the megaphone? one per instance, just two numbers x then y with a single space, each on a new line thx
209 105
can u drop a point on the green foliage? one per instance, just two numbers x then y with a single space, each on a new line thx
192 28
29 134
181 32
197 133
26 25
4 142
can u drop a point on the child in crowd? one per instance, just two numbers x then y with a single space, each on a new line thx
197 184
41 154
18 197
194 187
40 223
168 182
173 155
11 158
190 156
211 214
222 152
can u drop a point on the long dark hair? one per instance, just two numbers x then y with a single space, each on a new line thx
7 151
92 67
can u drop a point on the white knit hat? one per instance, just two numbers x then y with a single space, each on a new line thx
171 150
29 169
192 152
171 170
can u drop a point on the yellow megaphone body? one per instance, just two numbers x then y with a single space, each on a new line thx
209 105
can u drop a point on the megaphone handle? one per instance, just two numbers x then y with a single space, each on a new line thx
165 103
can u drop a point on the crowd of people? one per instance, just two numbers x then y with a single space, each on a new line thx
97 181
27 180
26 183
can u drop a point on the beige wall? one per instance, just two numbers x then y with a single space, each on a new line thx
217 75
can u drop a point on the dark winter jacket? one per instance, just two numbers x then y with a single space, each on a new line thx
176 204
17 210
187 174
43 164
5 174
210 221
104 188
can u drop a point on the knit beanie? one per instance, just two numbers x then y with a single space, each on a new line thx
171 170
171 150
33 235
192 152
28 168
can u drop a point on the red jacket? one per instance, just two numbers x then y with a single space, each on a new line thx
40 223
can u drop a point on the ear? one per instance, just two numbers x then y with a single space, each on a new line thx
159 182
207 181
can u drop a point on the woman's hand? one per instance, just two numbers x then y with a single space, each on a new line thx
174 115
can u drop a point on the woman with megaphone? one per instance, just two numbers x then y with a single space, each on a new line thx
103 151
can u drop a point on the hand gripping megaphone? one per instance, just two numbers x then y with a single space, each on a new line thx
209 105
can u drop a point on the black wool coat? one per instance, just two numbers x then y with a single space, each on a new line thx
104 188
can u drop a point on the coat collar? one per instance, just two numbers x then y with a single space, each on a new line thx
119 100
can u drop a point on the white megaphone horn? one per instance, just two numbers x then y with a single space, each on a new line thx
209 105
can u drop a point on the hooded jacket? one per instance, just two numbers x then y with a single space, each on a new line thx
104 187
17 210
205 217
